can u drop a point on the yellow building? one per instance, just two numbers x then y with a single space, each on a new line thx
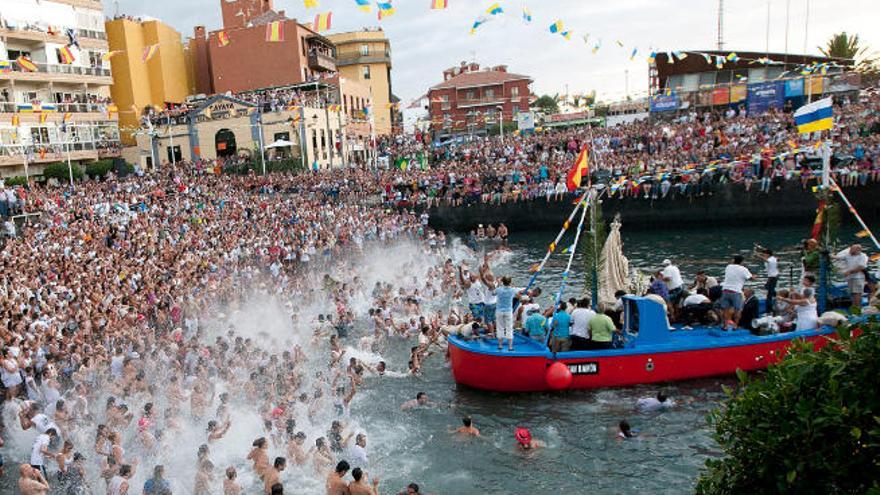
365 57
164 78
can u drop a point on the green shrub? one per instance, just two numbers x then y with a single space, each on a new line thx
59 171
810 425
15 181
99 169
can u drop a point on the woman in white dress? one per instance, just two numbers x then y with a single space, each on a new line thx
805 309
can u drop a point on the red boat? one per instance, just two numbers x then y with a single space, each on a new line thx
653 352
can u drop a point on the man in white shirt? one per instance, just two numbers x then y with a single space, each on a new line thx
580 325
40 450
358 451
855 264
731 302
674 283
772 267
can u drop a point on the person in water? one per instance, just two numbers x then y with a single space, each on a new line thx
524 440
420 400
651 404
624 431
467 427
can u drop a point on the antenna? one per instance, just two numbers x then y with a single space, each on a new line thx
720 25
116 8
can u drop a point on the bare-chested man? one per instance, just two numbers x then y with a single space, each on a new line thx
335 484
359 486
273 475
32 482
467 427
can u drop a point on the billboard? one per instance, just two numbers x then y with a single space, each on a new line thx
664 103
721 96
765 95
738 93
525 121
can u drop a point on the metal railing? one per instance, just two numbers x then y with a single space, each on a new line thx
8 107
364 59
64 69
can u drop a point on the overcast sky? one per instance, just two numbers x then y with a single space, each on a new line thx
424 42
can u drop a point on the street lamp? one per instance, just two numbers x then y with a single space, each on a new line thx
500 109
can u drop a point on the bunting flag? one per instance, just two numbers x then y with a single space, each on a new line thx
816 116
222 39
719 62
619 43
66 55
566 34
363 5
310 4
107 56
732 57
597 46
16 120
586 38
652 57
149 52
579 171
632 55
680 55
5 67
669 58
817 224
477 23
385 9
67 117
527 15
275 30
875 257
495 9
322 22
26 64
862 234
439 4
556 27
707 57
44 117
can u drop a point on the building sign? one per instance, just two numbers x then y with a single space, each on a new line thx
765 95
721 96
525 121
738 93
664 103
565 117
794 88
223 108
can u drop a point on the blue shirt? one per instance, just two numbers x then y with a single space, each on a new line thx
561 325
154 486
536 325
505 297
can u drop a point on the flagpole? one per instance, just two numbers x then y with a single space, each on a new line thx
836 188
69 166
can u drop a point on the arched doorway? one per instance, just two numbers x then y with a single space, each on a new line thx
224 143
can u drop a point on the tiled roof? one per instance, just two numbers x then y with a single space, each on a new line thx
479 78
266 18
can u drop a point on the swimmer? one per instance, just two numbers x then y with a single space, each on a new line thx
420 400
217 432
467 427
273 475
259 456
335 484
359 486
524 440
31 481
650 404
625 432
295 450
230 487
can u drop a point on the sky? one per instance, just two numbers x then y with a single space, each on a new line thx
424 42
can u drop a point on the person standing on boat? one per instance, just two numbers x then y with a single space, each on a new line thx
772 266
580 325
674 284
855 263
474 289
731 302
561 325
505 295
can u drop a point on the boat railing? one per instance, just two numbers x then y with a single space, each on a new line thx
645 318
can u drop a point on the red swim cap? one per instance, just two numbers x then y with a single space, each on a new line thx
523 436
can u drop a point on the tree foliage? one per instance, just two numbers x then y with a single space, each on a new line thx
811 424
98 169
546 104
60 171
848 46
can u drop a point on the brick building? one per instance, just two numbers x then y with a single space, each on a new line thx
249 62
470 99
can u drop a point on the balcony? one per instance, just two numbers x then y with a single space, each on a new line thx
480 102
35 36
373 58
90 34
60 72
321 62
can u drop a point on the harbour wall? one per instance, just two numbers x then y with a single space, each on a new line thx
728 206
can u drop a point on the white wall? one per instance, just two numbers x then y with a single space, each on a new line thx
614 120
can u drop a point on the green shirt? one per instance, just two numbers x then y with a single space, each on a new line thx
601 328
811 261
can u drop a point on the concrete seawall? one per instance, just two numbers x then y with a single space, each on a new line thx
729 206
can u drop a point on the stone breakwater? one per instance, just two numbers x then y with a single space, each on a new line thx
730 205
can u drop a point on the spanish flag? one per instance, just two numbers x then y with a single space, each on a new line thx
149 51
26 64
16 120
820 219
579 171
107 56
275 31
439 4
66 55
322 22
222 39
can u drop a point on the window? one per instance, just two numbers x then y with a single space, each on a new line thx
282 136
515 108
490 93
514 92
174 154
365 70
14 54
40 135
365 50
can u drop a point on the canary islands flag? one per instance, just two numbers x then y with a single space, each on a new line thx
816 116
556 27
527 15
579 171
363 5
495 9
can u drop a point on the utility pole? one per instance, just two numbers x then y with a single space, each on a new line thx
720 25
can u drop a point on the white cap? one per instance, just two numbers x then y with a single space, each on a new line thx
666 262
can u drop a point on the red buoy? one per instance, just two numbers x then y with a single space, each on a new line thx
558 376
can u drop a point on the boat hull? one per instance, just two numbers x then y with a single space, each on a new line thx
526 373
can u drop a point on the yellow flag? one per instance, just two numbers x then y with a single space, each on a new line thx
862 234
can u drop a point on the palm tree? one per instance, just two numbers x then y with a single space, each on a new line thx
842 45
